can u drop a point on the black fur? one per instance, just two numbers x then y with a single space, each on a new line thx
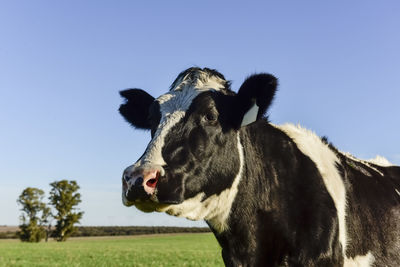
259 89
136 108
283 214
373 211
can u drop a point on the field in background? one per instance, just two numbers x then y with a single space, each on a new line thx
11 231
151 250
4 228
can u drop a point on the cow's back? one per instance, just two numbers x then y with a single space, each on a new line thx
372 212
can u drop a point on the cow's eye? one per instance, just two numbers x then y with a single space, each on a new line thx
210 117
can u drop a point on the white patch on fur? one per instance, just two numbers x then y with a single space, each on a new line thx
365 162
201 79
325 160
380 161
250 116
397 191
173 107
360 261
216 208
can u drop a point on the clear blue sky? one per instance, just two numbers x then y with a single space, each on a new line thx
62 64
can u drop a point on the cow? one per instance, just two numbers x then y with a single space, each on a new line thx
273 195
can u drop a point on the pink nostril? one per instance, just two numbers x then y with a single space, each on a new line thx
150 179
152 182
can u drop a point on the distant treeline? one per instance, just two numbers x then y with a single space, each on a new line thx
122 230
8 234
134 230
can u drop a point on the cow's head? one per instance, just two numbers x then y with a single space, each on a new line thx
194 162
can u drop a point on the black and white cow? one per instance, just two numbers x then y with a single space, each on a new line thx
274 195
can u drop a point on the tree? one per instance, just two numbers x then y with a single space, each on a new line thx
46 220
64 197
35 215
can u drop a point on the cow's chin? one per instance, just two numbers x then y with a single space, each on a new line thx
146 206
150 206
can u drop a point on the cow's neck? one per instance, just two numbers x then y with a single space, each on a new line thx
263 224
251 226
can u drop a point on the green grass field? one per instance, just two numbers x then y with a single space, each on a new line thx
156 250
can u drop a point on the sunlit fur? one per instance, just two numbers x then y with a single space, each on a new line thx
360 261
326 161
274 195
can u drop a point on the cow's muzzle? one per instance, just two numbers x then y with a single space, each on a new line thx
140 185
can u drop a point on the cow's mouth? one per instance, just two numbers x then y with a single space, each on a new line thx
148 192
138 197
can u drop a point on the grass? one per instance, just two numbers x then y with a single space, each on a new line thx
156 250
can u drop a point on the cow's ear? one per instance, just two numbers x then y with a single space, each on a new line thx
254 97
136 108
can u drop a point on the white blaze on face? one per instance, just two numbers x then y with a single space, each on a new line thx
173 107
